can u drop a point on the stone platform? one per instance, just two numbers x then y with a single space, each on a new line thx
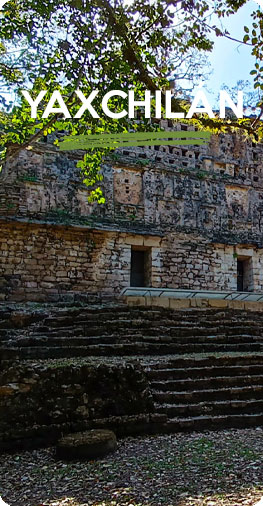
183 299
131 369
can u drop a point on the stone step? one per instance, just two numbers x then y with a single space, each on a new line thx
55 339
63 342
201 423
205 339
135 334
189 384
228 321
147 320
226 407
157 423
135 348
132 335
172 322
204 315
250 391
211 329
107 314
189 332
46 435
152 329
123 426
171 326
204 372
209 360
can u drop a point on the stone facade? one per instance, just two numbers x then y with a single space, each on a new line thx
194 215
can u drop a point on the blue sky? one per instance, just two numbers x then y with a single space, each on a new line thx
231 61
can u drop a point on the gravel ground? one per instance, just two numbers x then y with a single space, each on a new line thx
210 469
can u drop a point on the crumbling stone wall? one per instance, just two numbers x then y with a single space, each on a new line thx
45 399
215 189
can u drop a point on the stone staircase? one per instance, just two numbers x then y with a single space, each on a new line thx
124 331
209 392
204 366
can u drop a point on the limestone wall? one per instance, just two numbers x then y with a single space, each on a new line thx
46 262
40 262
196 210
191 261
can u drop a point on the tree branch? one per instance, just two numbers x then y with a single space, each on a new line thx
12 153
130 54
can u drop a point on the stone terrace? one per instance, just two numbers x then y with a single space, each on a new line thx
132 369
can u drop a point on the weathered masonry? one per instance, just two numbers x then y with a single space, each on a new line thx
175 217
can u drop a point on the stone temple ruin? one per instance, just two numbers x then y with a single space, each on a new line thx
175 217
74 355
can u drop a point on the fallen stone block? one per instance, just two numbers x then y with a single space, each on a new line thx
86 445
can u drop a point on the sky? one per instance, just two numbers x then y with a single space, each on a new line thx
231 61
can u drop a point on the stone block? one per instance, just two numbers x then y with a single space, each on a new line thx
135 301
179 303
158 301
236 304
218 303
201 302
86 445
254 306
245 251
135 240
153 242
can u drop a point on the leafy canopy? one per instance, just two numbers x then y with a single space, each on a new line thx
105 45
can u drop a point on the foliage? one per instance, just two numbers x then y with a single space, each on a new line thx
106 45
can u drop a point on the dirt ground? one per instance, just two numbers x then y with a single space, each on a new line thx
209 469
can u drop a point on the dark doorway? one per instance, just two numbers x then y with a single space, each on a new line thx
140 267
137 267
240 276
245 280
